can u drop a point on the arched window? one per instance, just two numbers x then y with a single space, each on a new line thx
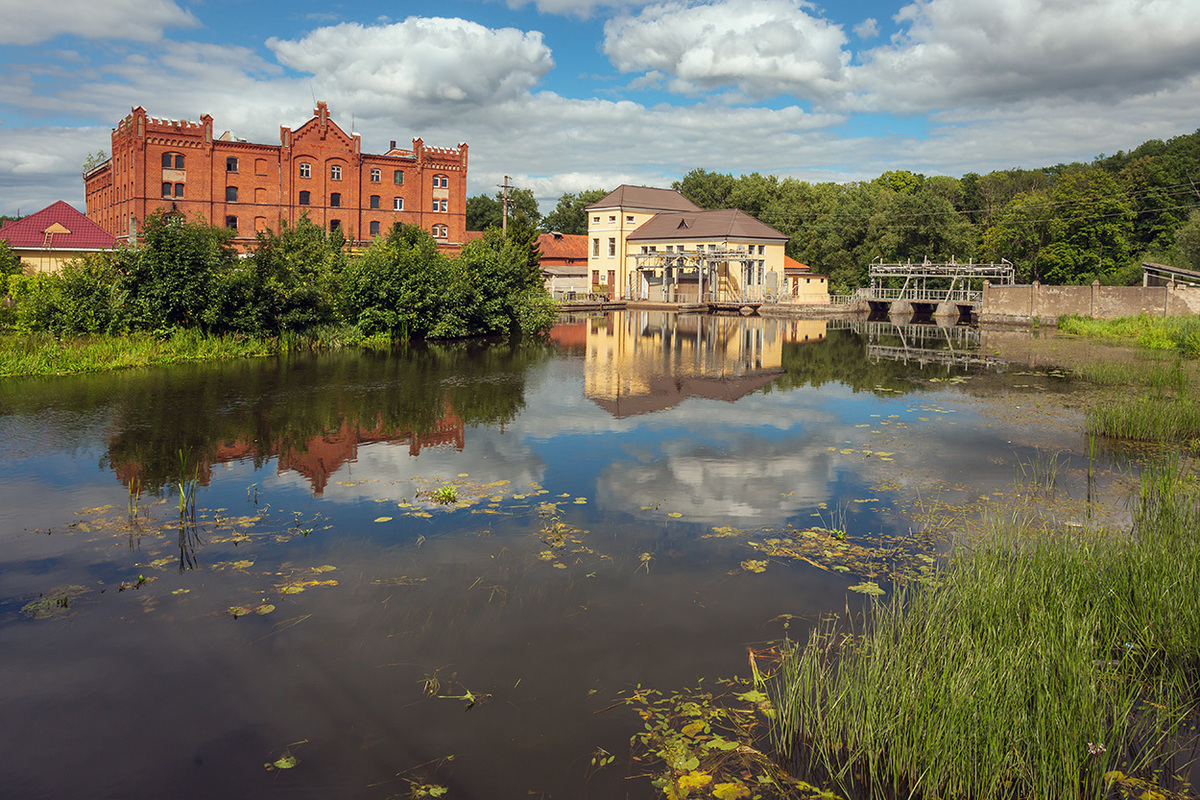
231 194
374 228
441 181
231 222
305 169
172 160
335 172
305 198
335 199
397 204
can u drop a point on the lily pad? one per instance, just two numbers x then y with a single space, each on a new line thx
869 588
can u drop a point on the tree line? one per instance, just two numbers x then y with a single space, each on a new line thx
1065 224
300 280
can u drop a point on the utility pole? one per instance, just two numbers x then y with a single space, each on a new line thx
504 219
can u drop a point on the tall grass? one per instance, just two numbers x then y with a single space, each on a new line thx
1156 333
1034 664
45 354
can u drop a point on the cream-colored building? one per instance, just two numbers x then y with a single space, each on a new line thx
47 239
611 220
655 244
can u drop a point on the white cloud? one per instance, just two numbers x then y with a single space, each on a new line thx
764 48
1009 51
867 29
136 20
423 60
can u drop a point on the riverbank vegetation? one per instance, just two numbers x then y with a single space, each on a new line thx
1180 334
1038 663
184 294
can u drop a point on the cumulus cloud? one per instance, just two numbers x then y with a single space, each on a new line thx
1009 51
764 48
427 60
135 20
867 29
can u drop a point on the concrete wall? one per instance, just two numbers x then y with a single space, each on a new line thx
1048 303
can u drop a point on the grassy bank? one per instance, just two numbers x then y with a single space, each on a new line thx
1181 334
1154 402
43 354
1039 664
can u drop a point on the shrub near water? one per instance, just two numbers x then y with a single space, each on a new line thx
1034 667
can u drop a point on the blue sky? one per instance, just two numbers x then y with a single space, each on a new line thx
566 95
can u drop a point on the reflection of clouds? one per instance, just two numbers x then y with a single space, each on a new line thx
752 481
389 471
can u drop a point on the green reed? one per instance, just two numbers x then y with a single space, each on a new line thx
1033 664
1156 333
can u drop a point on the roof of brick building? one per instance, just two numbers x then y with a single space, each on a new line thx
58 226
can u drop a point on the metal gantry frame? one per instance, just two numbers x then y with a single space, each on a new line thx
705 263
929 282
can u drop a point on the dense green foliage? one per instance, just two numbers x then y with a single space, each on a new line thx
485 212
570 215
300 281
1066 224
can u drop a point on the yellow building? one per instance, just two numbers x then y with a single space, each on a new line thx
655 244
611 220
47 239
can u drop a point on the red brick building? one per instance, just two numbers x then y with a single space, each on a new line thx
317 170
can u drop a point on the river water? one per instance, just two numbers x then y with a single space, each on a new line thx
237 580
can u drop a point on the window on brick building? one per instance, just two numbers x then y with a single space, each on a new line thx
374 201
374 228
172 160
179 190
179 161
231 222
335 199
335 173
441 181
398 177
305 198
376 175
397 204
335 225
231 194
167 189
305 170
231 164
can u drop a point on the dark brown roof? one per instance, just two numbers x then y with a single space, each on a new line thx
70 230
725 223
644 198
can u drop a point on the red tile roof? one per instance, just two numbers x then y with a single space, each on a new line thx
562 248
81 233
790 264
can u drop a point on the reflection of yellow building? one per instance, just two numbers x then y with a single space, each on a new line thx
643 361
799 331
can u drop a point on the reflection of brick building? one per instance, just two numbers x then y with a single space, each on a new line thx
321 456
317 170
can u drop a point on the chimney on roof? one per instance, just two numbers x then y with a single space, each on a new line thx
393 147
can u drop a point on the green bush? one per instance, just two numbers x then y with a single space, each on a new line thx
78 299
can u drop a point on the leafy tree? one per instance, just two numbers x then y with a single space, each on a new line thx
1187 243
706 189
902 181
397 287
293 274
10 264
78 299
484 212
168 281
570 215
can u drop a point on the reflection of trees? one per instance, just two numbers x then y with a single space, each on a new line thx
266 408
842 358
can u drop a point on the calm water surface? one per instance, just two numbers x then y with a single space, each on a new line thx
316 600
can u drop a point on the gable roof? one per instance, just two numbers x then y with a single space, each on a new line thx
724 223
645 198
80 232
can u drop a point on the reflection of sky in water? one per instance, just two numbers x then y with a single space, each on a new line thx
156 692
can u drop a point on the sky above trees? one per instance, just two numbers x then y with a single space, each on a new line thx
569 95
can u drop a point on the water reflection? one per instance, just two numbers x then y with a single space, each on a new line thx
645 361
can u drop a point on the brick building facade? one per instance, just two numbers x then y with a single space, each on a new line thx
317 170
